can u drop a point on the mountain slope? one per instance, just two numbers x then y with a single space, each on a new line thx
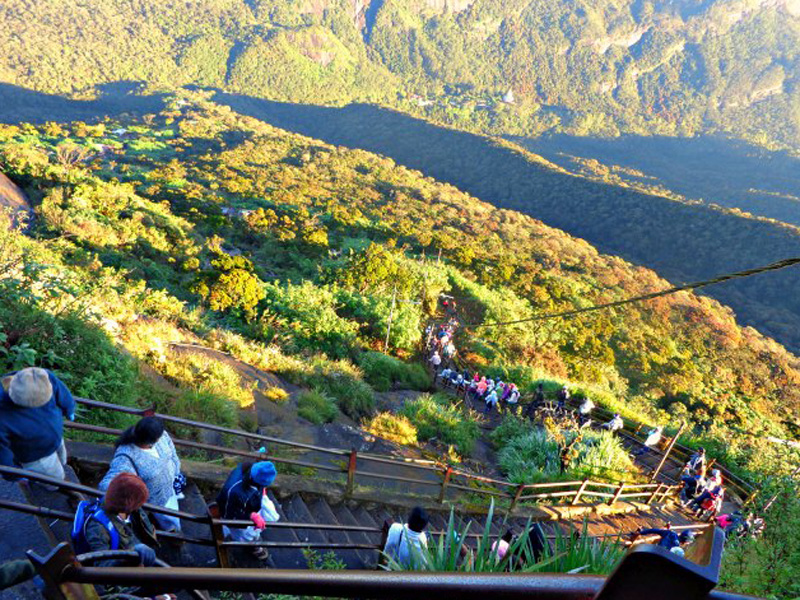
674 68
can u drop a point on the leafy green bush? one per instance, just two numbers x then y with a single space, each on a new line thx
511 427
316 407
383 372
435 417
396 428
204 406
535 456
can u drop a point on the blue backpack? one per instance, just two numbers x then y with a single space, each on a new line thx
88 510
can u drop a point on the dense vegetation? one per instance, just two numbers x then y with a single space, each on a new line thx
199 221
200 225
674 68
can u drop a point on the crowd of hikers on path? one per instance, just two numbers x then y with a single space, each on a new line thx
145 468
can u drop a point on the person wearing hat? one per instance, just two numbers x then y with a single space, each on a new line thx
122 504
33 405
244 497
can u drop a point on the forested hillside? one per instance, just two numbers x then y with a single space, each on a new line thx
512 66
286 251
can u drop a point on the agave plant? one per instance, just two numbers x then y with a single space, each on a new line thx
563 554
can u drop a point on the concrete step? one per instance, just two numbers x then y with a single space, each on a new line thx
345 516
324 515
283 558
364 518
191 555
18 533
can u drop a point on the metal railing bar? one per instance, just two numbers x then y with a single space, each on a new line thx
398 478
209 448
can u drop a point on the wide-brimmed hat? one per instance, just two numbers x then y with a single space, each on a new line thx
30 388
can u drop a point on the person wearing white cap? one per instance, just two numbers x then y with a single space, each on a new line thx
33 405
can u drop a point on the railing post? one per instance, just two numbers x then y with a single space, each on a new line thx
667 451
617 494
655 493
445 482
577 497
517 496
218 535
351 473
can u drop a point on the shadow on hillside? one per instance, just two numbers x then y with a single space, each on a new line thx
18 104
729 172
683 242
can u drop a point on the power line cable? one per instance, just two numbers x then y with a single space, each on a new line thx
776 266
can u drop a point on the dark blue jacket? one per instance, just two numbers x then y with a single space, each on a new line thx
29 434
669 539
240 495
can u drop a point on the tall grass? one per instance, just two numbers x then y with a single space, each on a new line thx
384 372
562 554
436 417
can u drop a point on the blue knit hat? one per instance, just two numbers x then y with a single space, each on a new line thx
263 473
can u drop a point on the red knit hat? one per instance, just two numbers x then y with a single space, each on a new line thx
125 494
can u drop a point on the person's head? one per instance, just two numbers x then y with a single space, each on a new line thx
677 550
29 388
701 451
565 387
144 434
508 536
263 473
541 386
125 494
418 519
715 473
686 537
616 415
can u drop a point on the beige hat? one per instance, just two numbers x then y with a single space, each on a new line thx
30 388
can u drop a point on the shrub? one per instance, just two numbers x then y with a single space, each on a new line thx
395 428
530 458
277 394
383 372
435 417
510 428
316 407
205 406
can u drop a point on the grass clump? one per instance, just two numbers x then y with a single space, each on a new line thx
534 457
385 372
315 406
395 428
435 417
277 394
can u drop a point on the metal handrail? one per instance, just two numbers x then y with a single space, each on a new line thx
512 490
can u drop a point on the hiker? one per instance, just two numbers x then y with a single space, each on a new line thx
444 375
116 522
405 543
33 406
491 402
653 438
146 450
435 360
449 351
697 460
615 424
562 398
585 409
669 539
537 402
512 398
480 388
692 484
501 546
711 497
244 497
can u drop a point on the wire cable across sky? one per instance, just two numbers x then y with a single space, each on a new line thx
776 266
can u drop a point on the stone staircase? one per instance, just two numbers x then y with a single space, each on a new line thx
41 534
